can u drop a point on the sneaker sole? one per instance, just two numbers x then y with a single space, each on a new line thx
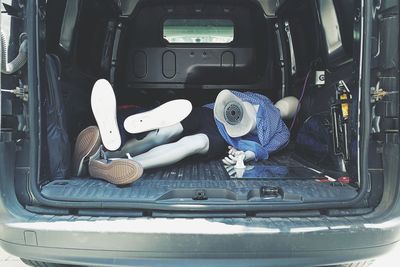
104 107
118 171
87 143
165 115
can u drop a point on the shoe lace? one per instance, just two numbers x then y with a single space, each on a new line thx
103 154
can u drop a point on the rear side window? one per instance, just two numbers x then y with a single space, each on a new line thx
200 31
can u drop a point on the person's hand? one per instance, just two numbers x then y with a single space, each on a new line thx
234 155
237 173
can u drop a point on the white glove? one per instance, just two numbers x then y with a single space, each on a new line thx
235 155
237 173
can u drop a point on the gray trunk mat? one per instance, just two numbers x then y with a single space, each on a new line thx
182 181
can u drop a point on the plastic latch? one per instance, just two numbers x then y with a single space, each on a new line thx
270 192
200 195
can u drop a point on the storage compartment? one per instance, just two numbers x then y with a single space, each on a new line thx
159 51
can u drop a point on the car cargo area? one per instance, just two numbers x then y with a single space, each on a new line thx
304 49
211 182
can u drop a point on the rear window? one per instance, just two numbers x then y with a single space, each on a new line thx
200 31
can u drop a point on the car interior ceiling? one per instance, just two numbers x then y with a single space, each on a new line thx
146 71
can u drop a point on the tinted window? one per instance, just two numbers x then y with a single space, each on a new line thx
217 31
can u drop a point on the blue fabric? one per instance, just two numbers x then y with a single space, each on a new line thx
315 138
272 133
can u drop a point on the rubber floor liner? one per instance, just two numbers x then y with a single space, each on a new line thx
184 181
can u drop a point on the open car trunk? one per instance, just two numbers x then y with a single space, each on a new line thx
297 48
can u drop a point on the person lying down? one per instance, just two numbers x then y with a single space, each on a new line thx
127 142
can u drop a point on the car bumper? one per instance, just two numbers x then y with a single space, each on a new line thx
205 242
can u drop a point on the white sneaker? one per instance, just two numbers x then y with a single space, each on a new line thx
104 107
165 115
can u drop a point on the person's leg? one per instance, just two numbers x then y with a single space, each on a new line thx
189 126
168 154
116 128
153 139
